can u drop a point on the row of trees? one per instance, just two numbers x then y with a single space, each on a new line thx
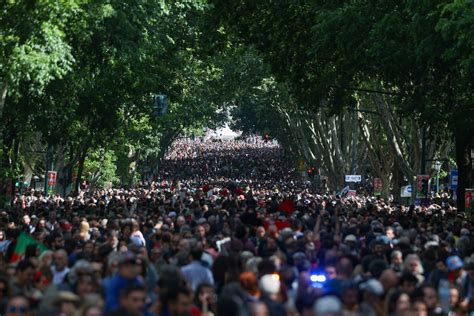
349 86
386 82
78 78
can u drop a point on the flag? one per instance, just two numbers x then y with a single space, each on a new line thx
287 206
344 191
23 241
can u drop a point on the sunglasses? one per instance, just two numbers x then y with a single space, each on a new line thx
18 309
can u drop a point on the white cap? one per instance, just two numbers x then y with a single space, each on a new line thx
327 305
350 237
270 284
373 286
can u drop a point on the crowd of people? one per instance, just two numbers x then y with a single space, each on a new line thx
228 228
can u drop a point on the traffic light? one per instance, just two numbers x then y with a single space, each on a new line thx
160 105
312 172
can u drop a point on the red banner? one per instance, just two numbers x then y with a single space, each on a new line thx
52 175
469 199
377 186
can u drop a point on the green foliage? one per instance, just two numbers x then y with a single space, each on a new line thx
100 167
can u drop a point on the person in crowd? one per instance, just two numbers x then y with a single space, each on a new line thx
132 301
195 272
126 276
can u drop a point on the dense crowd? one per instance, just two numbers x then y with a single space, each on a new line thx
227 229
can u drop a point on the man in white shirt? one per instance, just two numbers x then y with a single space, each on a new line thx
60 268
196 273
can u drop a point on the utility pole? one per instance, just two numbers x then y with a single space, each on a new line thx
354 140
423 151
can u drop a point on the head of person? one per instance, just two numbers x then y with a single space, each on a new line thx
330 271
399 303
60 260
454 296
128 265
455 265
204 295
57 240
396 258
328 306
52 216
200 231
18 305
196 253
26 219
430 297
25 272
373 291
413 264
408 283
133 298
390 233
419 308
177 300
85 285
248 281
270 285
389 279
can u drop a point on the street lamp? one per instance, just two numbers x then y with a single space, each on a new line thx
36 179
437 167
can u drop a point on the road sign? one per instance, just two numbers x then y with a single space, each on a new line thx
377 186
405 191
454 180
353 178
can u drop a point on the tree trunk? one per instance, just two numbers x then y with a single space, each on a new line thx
464 143
3 96
80 169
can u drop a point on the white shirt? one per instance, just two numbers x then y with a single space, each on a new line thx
58 276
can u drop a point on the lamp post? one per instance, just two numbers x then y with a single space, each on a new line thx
36 179
437 167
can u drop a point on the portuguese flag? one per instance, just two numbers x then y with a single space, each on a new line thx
23 241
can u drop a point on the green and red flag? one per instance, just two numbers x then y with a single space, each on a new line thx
23 241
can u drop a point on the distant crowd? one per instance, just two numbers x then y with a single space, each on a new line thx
229 229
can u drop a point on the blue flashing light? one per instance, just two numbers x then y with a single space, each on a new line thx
319 278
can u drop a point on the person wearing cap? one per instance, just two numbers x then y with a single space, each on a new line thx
372 303
270 288
328 306
126 276
349 246
455 265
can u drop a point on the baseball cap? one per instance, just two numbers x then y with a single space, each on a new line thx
373 286
350 238
327 305
270 284
454 263
127 258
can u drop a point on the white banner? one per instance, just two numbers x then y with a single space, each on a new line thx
353 178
